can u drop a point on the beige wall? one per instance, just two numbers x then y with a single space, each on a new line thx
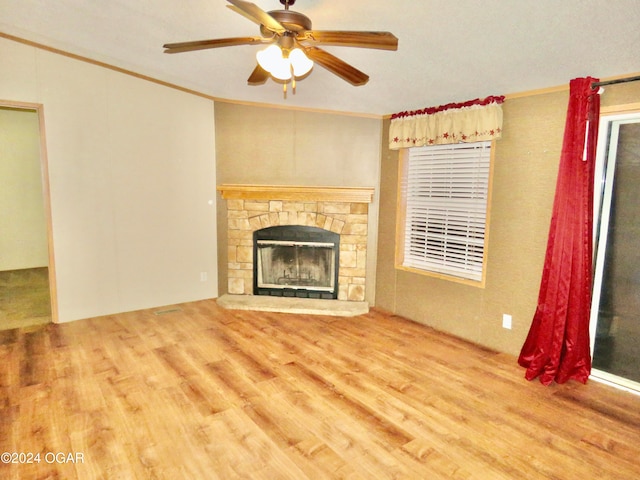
132 171
525 171
23 242
269 146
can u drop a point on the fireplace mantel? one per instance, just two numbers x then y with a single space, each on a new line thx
297 193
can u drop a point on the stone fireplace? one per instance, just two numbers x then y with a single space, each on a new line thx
338 210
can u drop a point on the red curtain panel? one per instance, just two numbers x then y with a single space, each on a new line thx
557 346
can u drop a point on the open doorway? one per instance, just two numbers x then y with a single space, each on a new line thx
27 273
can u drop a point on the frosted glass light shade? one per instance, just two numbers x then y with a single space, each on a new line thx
269 57
272 60
282 69
300 62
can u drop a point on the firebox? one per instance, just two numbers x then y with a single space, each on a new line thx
296 261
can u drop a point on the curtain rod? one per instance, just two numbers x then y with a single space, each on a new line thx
611 82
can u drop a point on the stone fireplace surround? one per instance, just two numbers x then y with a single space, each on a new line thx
343 210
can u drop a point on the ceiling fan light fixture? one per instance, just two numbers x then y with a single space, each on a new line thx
295 47
273 60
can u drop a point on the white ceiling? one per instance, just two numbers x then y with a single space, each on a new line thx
449 51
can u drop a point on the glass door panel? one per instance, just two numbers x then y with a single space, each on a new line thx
616 299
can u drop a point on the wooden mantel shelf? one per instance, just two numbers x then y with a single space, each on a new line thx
297 193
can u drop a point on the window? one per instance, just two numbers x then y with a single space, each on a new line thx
445 193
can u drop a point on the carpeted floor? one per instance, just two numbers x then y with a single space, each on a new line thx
24 298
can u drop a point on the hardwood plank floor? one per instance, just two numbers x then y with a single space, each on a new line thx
203 392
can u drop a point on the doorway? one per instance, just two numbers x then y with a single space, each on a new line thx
615 312
27 272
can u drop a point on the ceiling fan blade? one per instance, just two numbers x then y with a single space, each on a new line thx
256 14
379 40
214 43
258 76
337 66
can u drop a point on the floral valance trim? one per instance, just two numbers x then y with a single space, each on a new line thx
473 121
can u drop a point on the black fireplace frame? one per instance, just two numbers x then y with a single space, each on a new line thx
296 233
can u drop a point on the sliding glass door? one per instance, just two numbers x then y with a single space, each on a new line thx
615 315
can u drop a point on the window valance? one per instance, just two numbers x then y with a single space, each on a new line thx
473 121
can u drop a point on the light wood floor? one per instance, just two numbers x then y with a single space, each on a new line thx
207 393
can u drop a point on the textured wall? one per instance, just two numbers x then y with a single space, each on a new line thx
269 146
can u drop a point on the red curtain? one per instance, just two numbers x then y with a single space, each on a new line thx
557 346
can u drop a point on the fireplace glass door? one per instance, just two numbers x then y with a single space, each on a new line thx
296 261
296 265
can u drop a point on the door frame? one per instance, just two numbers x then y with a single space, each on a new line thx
44 175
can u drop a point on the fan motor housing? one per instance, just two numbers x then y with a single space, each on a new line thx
290 20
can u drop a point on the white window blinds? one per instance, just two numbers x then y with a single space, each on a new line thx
446 189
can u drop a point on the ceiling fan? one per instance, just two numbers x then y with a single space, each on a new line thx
293 45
